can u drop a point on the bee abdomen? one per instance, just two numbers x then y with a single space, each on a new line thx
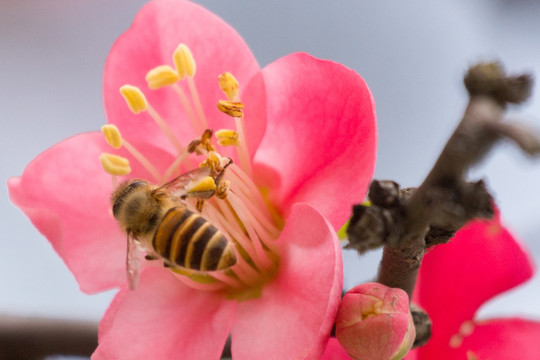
188 240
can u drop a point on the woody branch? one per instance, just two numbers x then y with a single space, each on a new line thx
408 221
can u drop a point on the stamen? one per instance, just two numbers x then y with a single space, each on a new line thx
189 109
114 164
213 161
114 138
137 103
161 76
199 286
185 65
265 226
112 135
243 151
256 241
233 229
165 128
234 109
226 279
223 189
231 108
134 97
174 166
184 62
251 192
197 101
114 184
229 85
227 137
244 271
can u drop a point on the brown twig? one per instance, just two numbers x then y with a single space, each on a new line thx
408 221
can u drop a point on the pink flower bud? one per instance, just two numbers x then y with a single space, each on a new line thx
374 322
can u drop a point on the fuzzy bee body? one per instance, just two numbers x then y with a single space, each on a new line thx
158 221
185 239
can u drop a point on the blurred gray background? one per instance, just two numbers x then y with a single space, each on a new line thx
412 54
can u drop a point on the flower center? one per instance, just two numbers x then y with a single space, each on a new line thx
235 206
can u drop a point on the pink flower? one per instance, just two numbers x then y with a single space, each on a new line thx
455 279
374 322
306 154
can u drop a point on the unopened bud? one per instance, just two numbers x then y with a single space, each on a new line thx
134 97
161 76
374 323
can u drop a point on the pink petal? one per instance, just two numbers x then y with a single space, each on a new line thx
412 355
293 317
483 260
321 135
334 351
164 319
156 32
503 339
65 193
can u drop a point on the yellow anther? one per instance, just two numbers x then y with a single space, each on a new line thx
229 85
114 164
205 184
184 62
227 137
113 136
161 76
222 189
134 97
199 146
213 161
231 108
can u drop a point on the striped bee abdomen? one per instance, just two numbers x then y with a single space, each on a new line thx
188 240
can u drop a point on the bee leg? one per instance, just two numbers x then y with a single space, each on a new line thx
200 204
167 265
150 257
219 176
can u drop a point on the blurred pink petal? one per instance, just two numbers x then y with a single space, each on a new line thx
455 279
294 316
482 261
334 351
156 32
164 319
321 127
503 339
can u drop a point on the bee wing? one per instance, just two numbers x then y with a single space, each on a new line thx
133 262
179 185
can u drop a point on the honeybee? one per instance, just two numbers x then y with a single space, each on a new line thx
156 219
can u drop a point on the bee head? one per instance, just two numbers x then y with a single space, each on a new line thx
135 207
